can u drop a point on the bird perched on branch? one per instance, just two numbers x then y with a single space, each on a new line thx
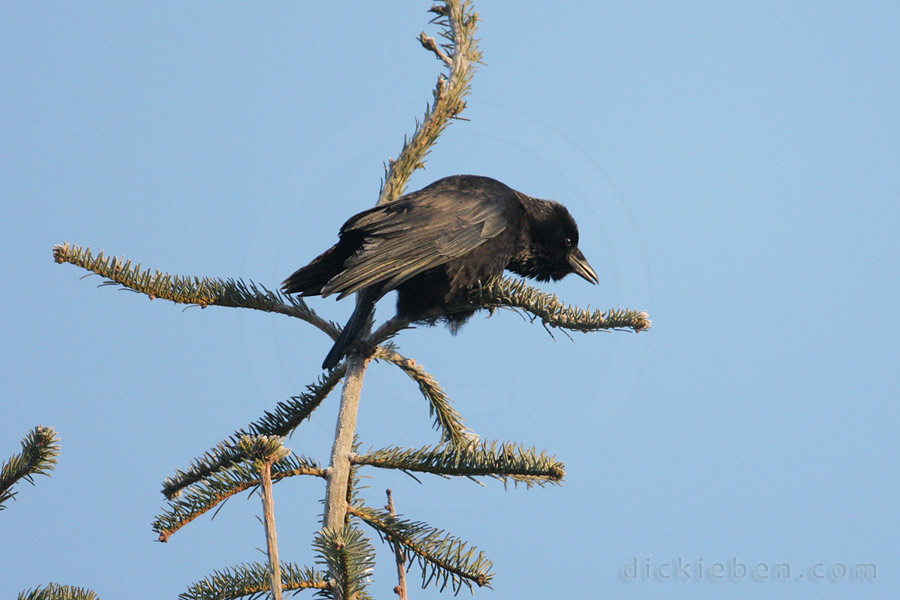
434 246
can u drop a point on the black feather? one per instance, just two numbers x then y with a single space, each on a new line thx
434 245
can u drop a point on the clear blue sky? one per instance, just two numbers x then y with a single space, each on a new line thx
733 168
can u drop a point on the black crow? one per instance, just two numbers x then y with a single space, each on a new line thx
434 246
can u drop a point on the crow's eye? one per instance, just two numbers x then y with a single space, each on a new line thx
569 241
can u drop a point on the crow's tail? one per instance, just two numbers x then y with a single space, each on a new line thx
365 305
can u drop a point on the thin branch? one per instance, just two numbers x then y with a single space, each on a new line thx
400 556
429 44
505 292
268 502
499 460
443 558
516 293
446 418
458 27
264 450
202 291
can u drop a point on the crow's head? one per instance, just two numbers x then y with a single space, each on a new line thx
552 250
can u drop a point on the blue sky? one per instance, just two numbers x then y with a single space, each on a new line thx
733 169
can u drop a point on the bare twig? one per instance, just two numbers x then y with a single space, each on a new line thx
265 480
429 44
400 590
264 450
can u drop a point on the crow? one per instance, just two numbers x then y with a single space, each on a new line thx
434 246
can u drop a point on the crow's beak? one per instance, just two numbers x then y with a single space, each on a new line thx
581 266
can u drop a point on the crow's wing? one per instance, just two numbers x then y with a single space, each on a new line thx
418 232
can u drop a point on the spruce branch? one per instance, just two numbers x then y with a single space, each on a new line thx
348 557
499 460
458 24
446 418
251 580
200 497
516 293
288 415
55 591
40 449
443 558
281 421
506 292
202 291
